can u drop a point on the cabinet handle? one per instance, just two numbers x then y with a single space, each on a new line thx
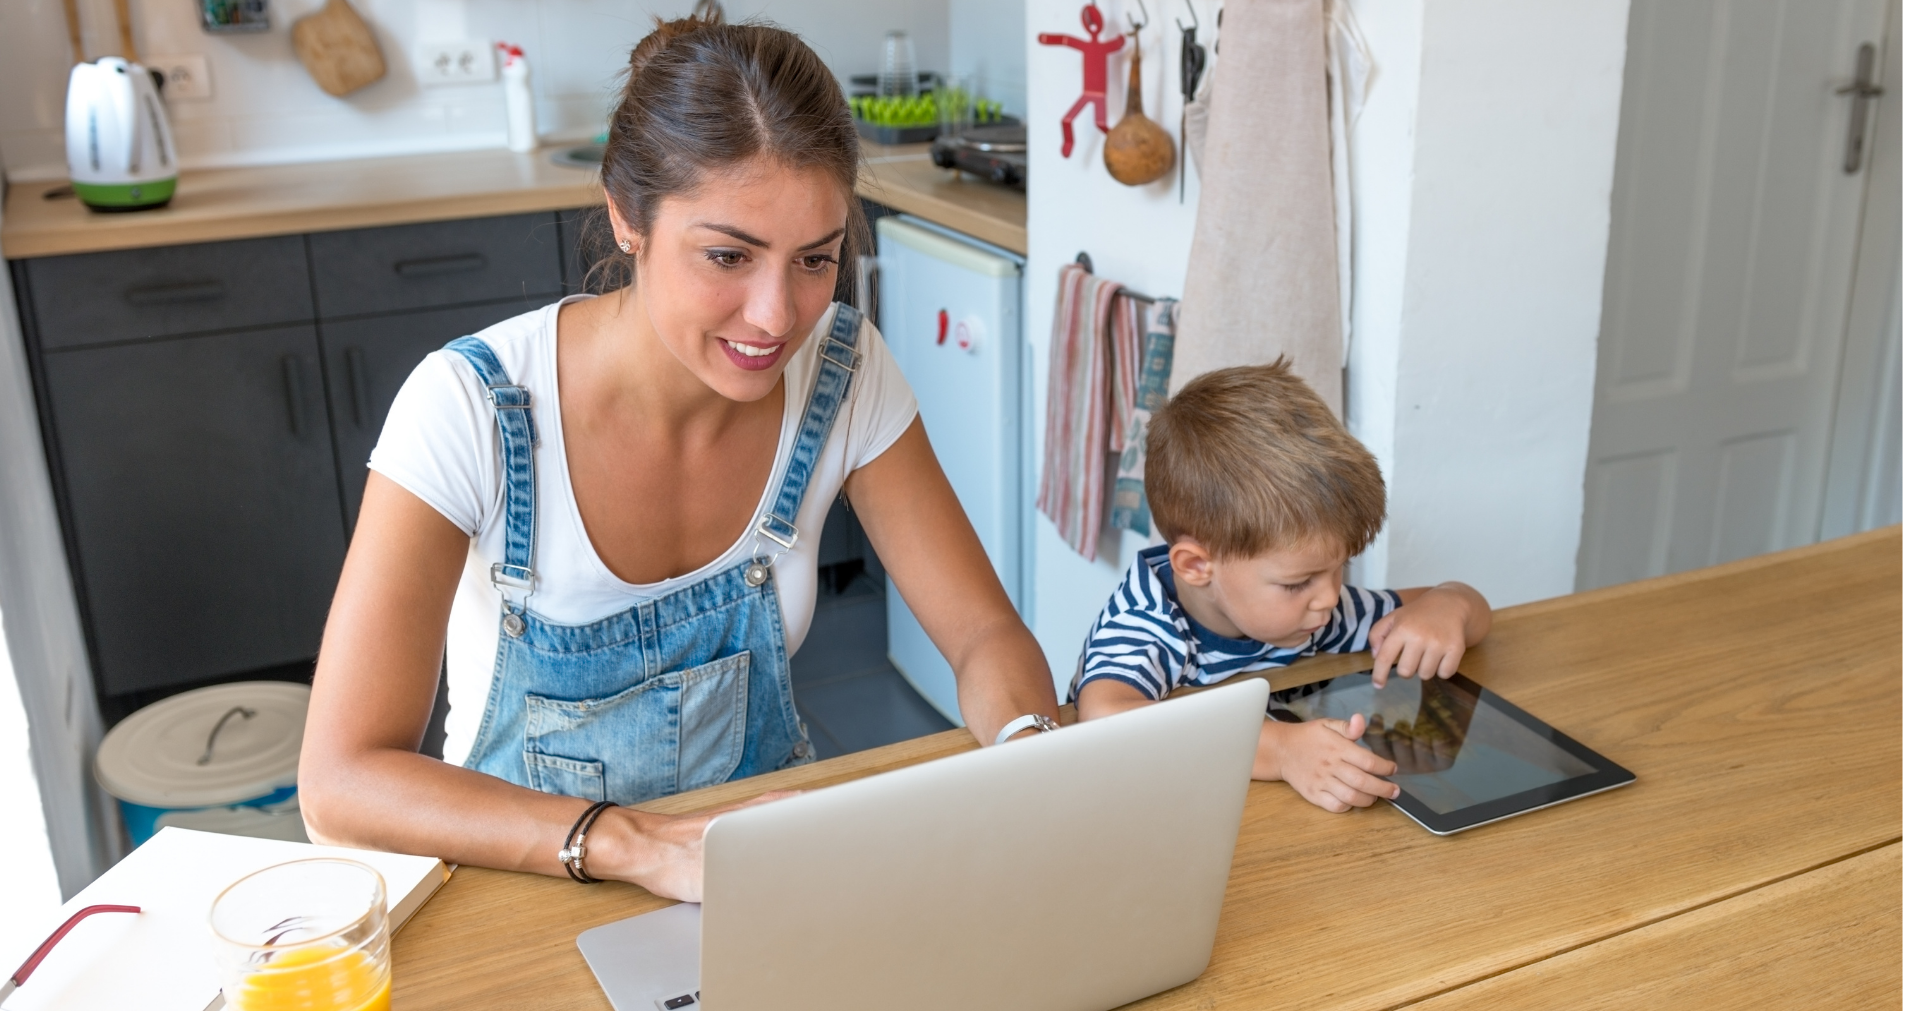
357 386
296 395
434 266
169 294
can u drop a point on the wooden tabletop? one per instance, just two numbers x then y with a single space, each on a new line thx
238 203
1758 702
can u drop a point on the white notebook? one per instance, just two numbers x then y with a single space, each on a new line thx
162 959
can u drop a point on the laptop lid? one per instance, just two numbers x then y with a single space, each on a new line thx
1081 869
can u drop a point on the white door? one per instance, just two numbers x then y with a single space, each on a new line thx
1732 254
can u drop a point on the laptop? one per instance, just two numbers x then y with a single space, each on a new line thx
1071 871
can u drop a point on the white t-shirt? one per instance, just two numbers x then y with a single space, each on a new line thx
441 443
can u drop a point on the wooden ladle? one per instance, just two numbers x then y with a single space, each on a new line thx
1138 151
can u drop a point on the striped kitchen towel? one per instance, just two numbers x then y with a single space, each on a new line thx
1130 487
1081 399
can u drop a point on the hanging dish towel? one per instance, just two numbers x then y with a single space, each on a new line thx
1081 394
1130 488
1262 277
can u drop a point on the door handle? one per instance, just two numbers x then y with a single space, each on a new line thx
296 395
357 386
434 266
1862 88
170 294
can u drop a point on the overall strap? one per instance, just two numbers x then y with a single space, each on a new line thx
514 412
838 362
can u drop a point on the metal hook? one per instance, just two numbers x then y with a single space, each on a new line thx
1137 25
1191 14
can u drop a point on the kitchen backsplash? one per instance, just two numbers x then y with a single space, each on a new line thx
265 108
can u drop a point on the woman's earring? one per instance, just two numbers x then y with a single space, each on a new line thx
626 247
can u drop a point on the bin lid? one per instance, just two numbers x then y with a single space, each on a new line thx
154 756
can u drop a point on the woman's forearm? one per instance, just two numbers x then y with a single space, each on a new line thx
1003 675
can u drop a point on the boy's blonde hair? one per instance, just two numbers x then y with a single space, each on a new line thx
1249 459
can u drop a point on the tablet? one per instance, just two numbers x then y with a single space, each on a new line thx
1466 756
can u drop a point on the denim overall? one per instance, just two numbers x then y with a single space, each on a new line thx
675 693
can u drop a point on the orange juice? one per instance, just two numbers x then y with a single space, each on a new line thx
319 978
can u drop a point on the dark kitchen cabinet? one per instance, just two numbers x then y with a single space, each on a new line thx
208 411
403 267
369 359
128 294
201 501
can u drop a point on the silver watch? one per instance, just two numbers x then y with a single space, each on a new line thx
1032 721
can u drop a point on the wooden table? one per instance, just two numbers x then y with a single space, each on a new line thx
240 203
1758 855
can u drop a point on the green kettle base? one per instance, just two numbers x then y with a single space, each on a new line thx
125 196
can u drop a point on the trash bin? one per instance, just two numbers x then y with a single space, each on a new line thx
219 759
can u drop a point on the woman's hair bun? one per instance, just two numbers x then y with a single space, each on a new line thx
707 14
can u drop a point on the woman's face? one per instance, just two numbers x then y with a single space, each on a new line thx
736 273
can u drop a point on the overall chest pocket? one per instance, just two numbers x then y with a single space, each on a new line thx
668 734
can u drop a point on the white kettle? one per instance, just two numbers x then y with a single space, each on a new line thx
119 145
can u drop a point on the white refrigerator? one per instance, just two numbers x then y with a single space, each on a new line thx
950 310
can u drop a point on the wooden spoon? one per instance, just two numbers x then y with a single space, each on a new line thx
1138 151
338 49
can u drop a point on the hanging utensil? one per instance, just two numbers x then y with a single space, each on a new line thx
73 31
1193 62
1138 151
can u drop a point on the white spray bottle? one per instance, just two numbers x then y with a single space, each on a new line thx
520 98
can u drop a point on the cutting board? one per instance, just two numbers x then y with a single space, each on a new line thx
338 49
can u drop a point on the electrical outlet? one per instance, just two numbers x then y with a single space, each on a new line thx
186 76
463 61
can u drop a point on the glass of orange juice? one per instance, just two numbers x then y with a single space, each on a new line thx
307 935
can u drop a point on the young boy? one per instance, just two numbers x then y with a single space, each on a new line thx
1263 497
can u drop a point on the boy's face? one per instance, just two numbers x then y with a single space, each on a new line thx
1281 597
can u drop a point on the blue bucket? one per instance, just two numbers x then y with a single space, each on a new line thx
219 759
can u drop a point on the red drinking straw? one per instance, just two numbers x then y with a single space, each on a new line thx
33 961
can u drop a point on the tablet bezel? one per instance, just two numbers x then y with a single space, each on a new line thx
1607 774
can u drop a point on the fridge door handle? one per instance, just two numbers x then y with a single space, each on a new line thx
867 287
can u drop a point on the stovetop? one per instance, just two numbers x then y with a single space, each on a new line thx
995 153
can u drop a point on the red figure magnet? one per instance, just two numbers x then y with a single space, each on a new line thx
1094 57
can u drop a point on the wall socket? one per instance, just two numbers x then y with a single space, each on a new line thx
463 61
186 76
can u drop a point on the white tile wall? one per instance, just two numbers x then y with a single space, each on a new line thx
266 109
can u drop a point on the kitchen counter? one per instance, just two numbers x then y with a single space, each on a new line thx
1756 861
239 203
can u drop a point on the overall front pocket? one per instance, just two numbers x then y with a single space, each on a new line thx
673 732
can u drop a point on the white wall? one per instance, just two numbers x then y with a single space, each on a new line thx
43 642
1136 235
1483 161
265 108
988 40
1496 204
29 886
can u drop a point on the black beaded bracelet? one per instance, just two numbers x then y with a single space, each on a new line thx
574 856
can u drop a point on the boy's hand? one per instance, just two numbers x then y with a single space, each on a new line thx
1322 762
1428 635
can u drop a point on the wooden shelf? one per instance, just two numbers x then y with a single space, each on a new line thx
238 203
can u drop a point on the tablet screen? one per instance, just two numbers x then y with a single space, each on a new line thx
1458 746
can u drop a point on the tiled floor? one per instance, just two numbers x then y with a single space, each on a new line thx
849 695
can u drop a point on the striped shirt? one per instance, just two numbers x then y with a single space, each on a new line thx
1146 640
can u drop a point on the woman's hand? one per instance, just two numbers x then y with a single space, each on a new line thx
662 853
1429 633
933 557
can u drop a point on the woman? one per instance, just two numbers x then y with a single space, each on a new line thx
611 505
